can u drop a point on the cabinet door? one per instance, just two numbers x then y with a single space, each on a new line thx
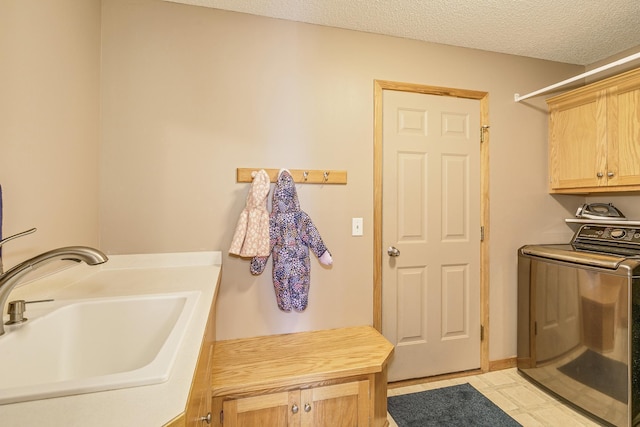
345 405
270 410
624 135
201 383
578 141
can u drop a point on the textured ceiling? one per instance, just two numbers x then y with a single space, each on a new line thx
572 31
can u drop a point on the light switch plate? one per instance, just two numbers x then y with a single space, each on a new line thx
356 226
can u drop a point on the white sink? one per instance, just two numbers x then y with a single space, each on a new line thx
94 345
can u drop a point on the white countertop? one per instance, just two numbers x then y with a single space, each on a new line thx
151 405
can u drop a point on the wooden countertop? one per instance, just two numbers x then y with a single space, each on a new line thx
281 361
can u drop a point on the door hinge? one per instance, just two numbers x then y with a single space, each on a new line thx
482 233
535 328
483 128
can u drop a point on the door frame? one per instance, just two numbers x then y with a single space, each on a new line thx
483 97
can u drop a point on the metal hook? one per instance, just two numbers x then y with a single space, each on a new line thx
305 174
326 176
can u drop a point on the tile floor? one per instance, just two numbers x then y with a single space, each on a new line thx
519 398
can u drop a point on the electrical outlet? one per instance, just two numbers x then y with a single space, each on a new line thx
356 226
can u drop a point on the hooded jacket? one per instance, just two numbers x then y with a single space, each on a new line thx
251 237
292 235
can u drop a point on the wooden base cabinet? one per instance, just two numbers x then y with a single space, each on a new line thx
198 409
594 137
334 405
328 378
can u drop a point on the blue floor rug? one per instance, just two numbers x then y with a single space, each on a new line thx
460 405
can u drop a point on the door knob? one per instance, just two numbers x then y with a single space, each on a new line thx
610 174
294 408
392 251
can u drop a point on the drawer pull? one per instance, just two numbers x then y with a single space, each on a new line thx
206 419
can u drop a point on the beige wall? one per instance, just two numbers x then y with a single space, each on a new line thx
49 123
189 94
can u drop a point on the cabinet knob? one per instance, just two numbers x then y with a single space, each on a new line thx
599 174
610 174
294 409
307 407
206 419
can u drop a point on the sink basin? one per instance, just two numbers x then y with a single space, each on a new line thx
94 345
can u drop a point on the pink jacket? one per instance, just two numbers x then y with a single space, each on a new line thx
252 232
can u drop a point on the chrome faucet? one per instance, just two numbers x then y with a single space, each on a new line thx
10 278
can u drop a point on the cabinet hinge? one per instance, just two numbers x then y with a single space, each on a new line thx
221 417
482 233
535 328
483 128
481 332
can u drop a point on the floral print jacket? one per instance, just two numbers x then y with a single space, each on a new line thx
292 234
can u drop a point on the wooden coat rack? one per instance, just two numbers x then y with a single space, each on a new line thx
300 176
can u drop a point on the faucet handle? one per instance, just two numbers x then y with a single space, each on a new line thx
15 236
5 240
16 309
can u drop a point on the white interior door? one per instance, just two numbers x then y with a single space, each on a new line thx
431 216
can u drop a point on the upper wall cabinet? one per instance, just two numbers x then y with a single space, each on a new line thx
594 137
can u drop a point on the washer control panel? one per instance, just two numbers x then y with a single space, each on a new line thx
615 239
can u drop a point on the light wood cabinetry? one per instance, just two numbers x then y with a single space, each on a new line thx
199 403
332 405
322 378
594 137
198 409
